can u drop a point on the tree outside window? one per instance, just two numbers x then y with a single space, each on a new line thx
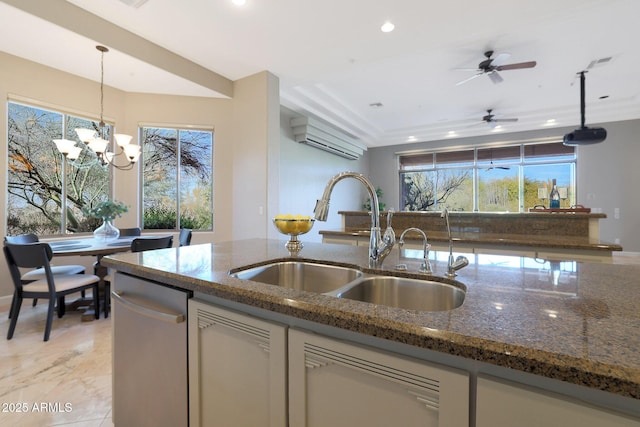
423 191
177 178
507 179
34 178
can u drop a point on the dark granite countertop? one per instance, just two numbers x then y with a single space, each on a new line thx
571 321
521 240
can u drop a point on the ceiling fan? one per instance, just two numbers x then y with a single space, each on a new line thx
492 166
492 121
491 66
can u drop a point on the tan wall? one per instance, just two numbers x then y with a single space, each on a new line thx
241 126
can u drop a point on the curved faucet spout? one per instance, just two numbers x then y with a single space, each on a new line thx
379 248
425 267
322 205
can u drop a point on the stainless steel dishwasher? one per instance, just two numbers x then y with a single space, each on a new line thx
150 374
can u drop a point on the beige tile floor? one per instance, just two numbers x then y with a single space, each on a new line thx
63 382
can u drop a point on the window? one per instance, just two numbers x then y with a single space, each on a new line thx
34 178
177 178
489 179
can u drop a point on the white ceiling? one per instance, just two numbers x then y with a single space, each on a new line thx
333 61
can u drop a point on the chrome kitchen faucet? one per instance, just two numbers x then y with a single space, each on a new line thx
458 263
379 246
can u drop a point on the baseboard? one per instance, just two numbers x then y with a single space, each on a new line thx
6 300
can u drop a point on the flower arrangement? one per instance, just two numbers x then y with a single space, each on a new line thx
107 210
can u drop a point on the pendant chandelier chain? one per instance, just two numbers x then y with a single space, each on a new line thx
102 50
100 146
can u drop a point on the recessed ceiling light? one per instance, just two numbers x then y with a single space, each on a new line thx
239 2
411 139
387 27
497 129
451 134
549 122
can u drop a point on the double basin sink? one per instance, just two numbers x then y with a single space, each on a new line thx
351 283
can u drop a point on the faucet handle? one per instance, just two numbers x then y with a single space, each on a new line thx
389 234
425 267
390 213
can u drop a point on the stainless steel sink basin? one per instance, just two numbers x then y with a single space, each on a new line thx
400 292
301 275
351 283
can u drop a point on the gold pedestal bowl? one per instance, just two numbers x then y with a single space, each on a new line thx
293 227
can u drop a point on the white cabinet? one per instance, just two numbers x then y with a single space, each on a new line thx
504 404
334 383
237 369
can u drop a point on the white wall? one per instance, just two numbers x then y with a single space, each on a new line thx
304 173
607 174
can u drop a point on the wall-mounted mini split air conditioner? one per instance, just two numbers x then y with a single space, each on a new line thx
324 137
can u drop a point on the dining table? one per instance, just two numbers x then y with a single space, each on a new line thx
89 246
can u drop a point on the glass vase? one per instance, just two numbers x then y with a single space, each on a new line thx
106 232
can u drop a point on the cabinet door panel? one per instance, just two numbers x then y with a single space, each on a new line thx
504 404
340 384
237 369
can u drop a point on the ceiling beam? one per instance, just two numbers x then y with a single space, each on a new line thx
78 20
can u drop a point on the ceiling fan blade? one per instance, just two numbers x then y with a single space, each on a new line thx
500 59
469 79
517 66
505 120
495 77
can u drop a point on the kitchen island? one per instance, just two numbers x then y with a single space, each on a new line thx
566 327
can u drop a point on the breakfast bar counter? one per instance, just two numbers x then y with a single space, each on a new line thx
530 234
569 321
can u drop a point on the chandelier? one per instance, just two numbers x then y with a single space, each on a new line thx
96 140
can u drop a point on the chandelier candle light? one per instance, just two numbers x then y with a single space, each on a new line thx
99 144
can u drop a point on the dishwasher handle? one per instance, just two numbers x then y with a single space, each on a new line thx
145 311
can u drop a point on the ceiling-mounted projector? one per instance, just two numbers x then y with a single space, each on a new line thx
584 135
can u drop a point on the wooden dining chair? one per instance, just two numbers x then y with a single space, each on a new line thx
130 232
124 232
137 245
150 243
38 273
185 236
51 287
